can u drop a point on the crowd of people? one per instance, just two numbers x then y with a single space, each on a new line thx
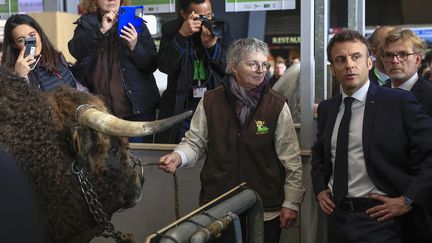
372 159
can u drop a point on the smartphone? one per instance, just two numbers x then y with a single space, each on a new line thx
131 14
30 46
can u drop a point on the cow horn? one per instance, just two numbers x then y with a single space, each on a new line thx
108 124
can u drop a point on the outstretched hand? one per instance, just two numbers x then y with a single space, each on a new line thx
170 162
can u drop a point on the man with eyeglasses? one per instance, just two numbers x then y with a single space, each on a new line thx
362 174
193 56
401 52
245 131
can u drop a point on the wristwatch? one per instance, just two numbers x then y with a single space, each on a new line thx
408 201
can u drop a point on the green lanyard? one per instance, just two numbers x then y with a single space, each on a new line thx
380 81
199 72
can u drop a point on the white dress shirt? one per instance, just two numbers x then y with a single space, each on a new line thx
359 182
407 85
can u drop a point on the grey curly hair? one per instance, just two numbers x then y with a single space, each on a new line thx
241 48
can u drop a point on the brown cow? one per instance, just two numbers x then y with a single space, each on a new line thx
53 134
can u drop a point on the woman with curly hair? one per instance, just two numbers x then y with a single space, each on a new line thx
47 68
117 67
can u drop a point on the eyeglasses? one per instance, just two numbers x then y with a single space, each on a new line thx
207 16
255 66
400 56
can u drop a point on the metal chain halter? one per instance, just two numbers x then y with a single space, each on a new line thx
96 209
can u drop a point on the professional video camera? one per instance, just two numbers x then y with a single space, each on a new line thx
215 27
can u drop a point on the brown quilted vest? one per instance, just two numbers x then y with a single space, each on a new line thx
237 154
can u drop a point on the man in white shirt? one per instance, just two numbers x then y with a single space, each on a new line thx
361 169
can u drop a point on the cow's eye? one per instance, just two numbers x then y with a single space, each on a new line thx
114 150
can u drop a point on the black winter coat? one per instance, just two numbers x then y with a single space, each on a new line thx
41 78
136 67
175 58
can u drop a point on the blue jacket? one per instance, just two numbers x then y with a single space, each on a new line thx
45 81
136 67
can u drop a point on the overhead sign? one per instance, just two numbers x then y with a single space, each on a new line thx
258 5
9 7
284 40
156 6
277 42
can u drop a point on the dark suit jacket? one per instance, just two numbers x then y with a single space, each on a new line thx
176 58
393 121
422 89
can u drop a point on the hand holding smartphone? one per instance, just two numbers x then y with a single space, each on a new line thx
130 14
30 46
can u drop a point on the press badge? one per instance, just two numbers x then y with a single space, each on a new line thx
198 92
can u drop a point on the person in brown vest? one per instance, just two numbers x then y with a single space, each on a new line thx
245 130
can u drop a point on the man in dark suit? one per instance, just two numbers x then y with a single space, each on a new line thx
361 171
377 74
401 53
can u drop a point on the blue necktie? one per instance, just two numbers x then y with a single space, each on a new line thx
340 174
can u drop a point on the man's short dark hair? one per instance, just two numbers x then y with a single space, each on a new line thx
346 35
373 38
185 4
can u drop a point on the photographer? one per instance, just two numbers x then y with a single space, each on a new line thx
192 53
46 68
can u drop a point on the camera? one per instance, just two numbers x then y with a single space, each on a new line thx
215 27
